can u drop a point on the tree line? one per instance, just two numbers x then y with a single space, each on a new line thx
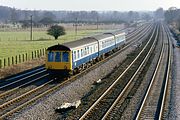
172 16
40 17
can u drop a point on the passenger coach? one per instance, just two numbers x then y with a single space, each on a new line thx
70 56
76 55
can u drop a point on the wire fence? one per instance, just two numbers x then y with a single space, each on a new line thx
5 62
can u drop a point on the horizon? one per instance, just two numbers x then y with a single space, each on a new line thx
80 5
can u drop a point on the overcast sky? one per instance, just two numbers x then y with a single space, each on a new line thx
99 5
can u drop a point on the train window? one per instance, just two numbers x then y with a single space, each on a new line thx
91 49
85 51
65 57
58 57
50 56
78 53
102 44
74 55
81 52
88 50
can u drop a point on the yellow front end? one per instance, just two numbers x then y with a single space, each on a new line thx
58 60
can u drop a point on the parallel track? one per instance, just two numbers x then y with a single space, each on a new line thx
153 104
98 109
24 96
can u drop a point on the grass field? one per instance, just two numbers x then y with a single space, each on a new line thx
15 43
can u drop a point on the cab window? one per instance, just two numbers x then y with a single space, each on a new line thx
65 57
58 57
50 56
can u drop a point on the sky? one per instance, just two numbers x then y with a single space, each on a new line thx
88 5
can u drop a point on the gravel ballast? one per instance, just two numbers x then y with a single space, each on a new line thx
45 109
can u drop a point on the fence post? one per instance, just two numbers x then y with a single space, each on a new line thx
0 63
16 60
35 54
23 57
32 55
19 58
4 62
26 56
43 51
12 60
8 61
40 52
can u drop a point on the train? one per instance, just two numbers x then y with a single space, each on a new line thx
72 57
178 43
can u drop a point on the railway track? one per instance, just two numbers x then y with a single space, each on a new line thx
7 108
100 106
137 31
127 109
23 75
153 103
126 104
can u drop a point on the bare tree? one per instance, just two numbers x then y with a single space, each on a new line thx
14 16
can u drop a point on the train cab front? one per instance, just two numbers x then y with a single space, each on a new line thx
58 63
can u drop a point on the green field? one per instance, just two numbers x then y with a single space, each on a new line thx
15 43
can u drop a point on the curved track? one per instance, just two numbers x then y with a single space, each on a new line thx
11 105
98 109
154 99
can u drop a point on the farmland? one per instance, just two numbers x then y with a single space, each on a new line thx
16 46
14 43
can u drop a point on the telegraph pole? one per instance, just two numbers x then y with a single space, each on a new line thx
97 22
31 29
76 28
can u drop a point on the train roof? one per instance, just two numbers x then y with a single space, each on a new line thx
73 44
116 32
102 36
80 42
59 47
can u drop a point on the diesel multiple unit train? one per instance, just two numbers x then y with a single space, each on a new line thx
68 58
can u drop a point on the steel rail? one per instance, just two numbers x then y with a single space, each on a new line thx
16 88
98 100
167 79
54 88
2 87
130 81
151 83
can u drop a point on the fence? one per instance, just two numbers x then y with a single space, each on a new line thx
4 62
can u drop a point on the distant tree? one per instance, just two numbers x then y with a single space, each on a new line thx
48 18
146 16
56 31
132 16
50 15
14 16
46 21
178 23
26 15
171 14
159 13
36 15
25 23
